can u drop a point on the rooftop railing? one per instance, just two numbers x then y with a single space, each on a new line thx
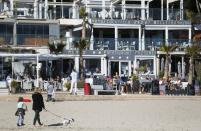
98 12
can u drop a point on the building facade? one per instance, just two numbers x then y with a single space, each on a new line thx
124 34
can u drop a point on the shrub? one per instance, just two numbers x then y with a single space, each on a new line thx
161 74
80 84
14 84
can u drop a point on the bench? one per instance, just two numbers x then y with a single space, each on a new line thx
104 92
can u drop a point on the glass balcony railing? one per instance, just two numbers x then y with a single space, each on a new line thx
152 44
104 43
132 13
118 44
127 44
114 12
96 12
98 43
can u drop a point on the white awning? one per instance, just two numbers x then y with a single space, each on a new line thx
171 1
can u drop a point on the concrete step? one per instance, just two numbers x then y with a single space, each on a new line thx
4 91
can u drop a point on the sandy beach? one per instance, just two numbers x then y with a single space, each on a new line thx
110 115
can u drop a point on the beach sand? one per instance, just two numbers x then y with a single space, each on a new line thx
110 115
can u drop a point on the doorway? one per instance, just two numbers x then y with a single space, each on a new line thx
114 68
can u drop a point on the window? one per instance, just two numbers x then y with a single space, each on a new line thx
146 65
92 65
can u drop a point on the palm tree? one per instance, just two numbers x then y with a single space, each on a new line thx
167 49
83 15
192 51
56 48
82 44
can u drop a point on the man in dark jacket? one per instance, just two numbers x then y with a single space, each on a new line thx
38 105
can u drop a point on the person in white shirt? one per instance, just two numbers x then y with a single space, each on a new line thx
8 80
21 108
73 88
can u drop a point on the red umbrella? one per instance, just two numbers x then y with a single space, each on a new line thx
26 100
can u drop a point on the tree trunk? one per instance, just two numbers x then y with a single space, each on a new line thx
84 28
81 65
190 74
166 72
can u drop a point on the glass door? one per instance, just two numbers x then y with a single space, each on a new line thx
124 69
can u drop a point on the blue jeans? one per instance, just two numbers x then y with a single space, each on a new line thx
20 118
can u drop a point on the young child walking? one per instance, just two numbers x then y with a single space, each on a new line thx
21 108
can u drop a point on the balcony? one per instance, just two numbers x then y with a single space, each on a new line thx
110 43
114 12
132 13
129 44
153 44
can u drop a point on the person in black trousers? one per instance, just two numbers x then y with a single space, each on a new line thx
38 105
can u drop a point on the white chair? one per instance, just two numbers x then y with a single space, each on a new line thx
116 14
132 46
184 85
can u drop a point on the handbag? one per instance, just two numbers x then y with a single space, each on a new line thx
16 113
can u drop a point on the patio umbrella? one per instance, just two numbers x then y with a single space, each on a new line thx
162 64
184 70
179 69
137 64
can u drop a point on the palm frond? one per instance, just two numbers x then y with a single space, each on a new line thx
193 50
82 11
56 48
81 44
168 48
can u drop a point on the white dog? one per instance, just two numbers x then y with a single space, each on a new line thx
66 122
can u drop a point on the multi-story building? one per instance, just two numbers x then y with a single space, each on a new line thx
124 34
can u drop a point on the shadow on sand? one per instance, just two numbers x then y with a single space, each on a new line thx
57 124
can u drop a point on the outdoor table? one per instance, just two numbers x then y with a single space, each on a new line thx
147 84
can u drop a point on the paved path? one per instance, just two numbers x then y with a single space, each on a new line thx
133 113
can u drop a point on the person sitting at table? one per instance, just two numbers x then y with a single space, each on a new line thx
178 83
116 79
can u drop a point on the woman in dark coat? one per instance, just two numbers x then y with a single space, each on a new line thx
38 105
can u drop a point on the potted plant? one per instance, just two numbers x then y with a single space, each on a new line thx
14 86
136 83
67 85
80 84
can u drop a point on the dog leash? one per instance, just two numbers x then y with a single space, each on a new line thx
60 116
54 114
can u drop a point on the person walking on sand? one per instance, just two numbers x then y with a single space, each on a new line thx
73 88
50 91
38 105
21 108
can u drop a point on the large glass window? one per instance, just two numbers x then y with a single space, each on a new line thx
146 65
2 28
33 29
92 65
33 34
